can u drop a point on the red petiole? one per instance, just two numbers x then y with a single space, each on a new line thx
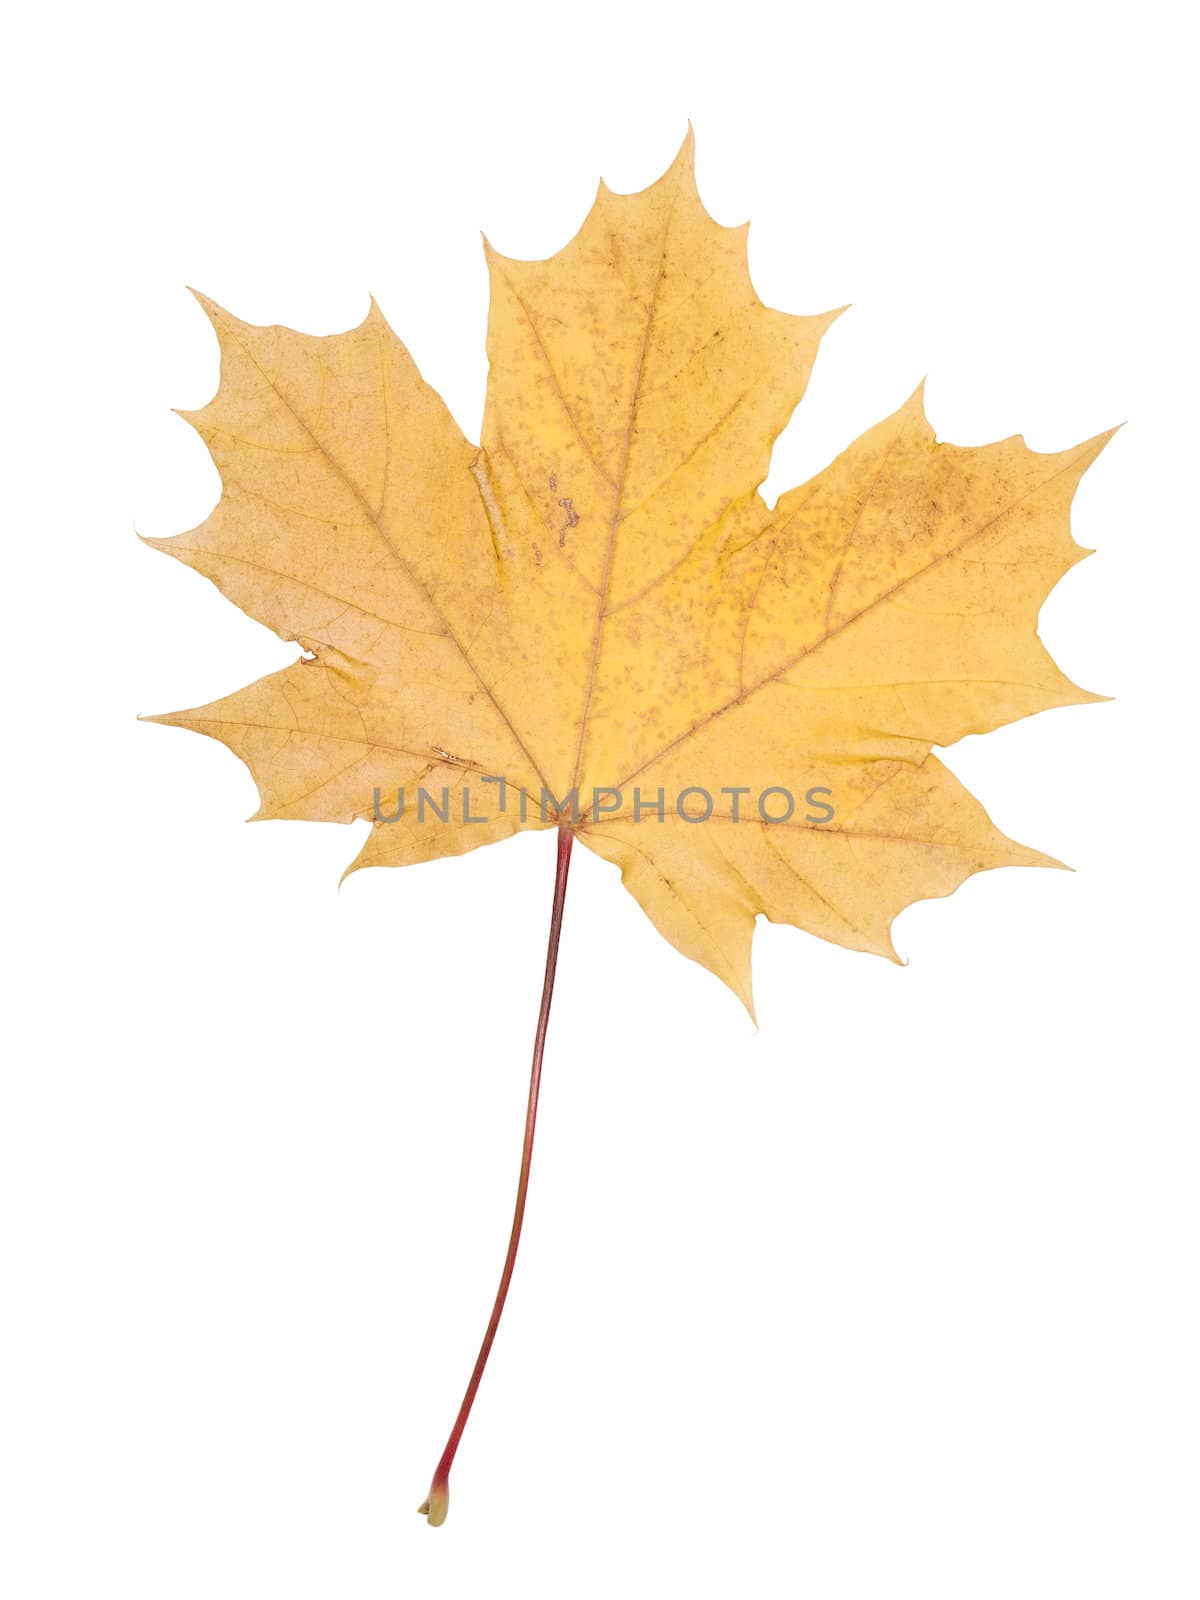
438 1501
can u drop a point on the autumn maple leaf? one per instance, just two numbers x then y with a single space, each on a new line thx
593 622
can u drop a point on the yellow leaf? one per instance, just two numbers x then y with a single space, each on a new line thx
597 602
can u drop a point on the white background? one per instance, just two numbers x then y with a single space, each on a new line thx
895 1297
